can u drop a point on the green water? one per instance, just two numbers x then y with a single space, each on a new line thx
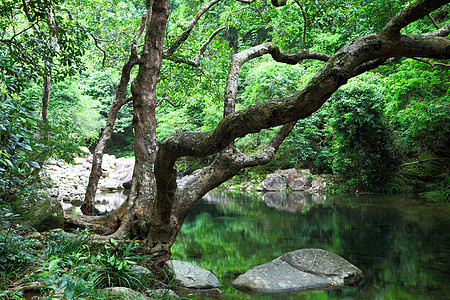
400 243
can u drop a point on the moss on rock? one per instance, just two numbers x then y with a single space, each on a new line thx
38 210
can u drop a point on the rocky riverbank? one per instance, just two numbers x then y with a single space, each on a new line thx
69 182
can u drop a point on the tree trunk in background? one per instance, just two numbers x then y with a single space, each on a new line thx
87 207
96 169
47 85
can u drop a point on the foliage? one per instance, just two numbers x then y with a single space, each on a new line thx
76 270
361 143
53 47
20 151
63 245
65 284
17 253
439 191
115 265
418 108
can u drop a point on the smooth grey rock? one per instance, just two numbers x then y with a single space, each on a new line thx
192 276
300 270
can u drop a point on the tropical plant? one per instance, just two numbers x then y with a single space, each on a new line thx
362 146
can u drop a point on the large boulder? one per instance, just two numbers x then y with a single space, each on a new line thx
40 211
123 172
297 180
300 270
291 178
319 184
274 182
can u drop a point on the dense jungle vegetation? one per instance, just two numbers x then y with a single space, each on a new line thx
364 136
61 63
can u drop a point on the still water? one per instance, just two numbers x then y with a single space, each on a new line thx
402 244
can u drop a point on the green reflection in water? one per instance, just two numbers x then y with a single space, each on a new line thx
401 244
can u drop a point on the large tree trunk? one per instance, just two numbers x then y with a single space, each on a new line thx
142 218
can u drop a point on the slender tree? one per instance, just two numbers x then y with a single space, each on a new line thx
155 209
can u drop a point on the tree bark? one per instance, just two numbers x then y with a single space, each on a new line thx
87 207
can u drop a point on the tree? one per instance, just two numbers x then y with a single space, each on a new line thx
155 209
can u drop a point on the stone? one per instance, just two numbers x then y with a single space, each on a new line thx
86 151
319 184
162 294
110 185
192 276
141 269
108 162
123 171
274 182
300 270
297 181
76 202
39 210
123 293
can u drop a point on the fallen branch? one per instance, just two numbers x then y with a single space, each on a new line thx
421 161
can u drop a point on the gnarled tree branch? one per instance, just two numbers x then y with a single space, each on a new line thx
363 53
183 37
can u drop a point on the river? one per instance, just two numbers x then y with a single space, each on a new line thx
401 243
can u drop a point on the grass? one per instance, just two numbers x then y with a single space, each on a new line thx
72 266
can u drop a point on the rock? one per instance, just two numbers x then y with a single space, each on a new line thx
210 293
79 160
123 171
108 162
76 202
123 293
39 211
274 182
298 181
300 270
162 294
86 151
110 185
319 184
140 269
192 276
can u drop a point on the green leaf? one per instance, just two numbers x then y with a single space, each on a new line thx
69 292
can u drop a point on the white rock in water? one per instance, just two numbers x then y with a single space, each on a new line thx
192 276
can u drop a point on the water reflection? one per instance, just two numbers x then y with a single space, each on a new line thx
292 202
401 244
104 202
